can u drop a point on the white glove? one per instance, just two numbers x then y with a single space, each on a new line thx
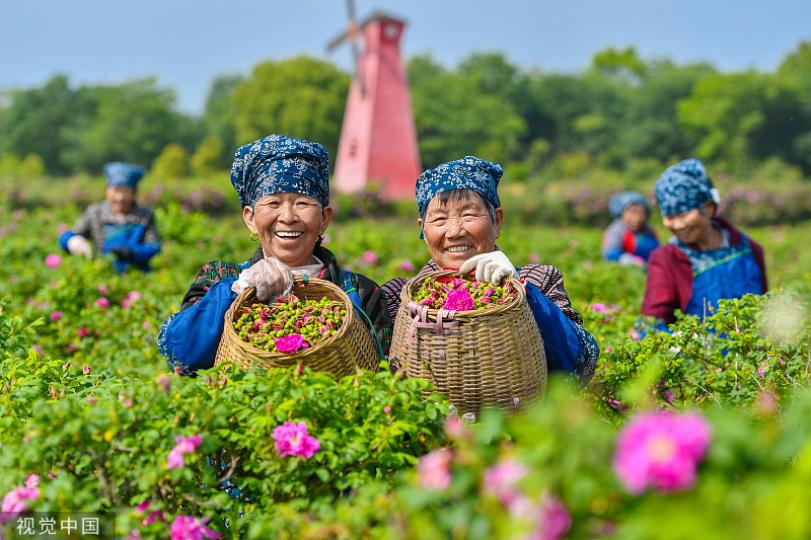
492 267
270 277
78 245
628 259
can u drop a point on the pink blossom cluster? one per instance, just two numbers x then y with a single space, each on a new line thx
152 517
131 297
185 445
290 343
191 528
550 520
500 480
292 439
16 500
459 300
661 449
53 261
434 469
369 257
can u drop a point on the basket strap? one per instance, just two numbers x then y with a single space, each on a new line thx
417 312
419 319
351 291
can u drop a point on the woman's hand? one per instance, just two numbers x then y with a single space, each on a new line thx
79 245
270 277
492 267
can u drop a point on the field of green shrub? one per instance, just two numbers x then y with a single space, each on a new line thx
702 433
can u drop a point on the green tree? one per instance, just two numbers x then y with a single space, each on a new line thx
31 166
172 163
36 122
795 73
651 128
219 119
302 97
206 160
455 117
742 118
134 121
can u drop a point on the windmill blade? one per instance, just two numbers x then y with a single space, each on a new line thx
352 33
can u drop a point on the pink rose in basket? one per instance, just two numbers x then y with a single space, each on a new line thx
290 344
459 300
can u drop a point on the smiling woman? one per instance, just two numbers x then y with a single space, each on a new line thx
460 219
707 259
283 188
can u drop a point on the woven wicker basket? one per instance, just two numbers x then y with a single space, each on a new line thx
351 347
476 358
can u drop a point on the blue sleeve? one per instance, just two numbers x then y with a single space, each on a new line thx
646 242
612 242
189 339
143 252
63 239
569 347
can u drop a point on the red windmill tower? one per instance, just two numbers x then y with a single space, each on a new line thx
378 139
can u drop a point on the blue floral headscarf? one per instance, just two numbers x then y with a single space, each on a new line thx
119 173
684 187
469 172
280 164
624 199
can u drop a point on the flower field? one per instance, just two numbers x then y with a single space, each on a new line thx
702 433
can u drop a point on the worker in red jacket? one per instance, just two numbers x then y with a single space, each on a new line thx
707 258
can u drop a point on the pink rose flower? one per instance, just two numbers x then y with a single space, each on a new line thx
455 428
661 449
82 332
292 439
56 315
604 308
459 300
191 528
103 302
86 370
553 520
164 382
434 469
53 261
152 517
500 479
291 343
185 445
406 266
131 297
16 500
534 258
369 257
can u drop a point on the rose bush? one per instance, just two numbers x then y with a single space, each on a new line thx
89 407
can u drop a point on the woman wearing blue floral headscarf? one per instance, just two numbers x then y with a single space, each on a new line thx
283 188
629 240
707 258
460 219
119 225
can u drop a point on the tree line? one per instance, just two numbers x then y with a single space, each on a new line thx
620 109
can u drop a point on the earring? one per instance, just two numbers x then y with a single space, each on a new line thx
254 237
320 238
